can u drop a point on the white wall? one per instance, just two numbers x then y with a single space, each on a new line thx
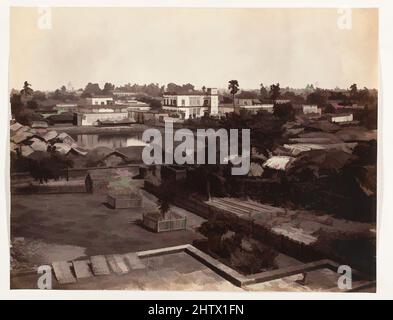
213 104
191 101
90 119
99 101
311 109
187 111
342 118
255 108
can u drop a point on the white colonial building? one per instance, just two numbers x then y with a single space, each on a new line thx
191 105
99 100
311 108
94 114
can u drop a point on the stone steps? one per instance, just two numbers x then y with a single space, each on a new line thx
69 272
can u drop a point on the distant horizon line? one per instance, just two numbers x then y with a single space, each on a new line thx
101 85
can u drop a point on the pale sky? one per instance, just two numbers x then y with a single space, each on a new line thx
200 46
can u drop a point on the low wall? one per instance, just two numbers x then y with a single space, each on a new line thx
89 119
34 188
72 172
123 202
242 281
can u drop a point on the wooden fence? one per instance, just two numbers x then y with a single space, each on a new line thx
171 224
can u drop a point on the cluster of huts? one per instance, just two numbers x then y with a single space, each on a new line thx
325 142
25 140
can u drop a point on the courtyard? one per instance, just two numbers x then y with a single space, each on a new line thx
54 227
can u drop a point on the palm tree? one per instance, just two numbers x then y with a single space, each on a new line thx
164 199
163 206
26 91
233 87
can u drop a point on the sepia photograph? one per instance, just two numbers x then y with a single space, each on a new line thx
193 149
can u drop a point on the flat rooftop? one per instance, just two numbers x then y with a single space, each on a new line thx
183 268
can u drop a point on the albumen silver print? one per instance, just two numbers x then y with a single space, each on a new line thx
193 149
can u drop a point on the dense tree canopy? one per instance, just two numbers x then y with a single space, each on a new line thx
318 97
263 93
91 89
275 91
284 111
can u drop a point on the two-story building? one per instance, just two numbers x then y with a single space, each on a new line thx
191 105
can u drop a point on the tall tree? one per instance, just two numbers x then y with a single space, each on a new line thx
318 97
58 95
353 91
108 88
275 91
364 97
91 89
263 92
165 198
26 91
16 103
233 87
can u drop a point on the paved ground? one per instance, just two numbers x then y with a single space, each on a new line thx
316 281
67 226
181 272
175 271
